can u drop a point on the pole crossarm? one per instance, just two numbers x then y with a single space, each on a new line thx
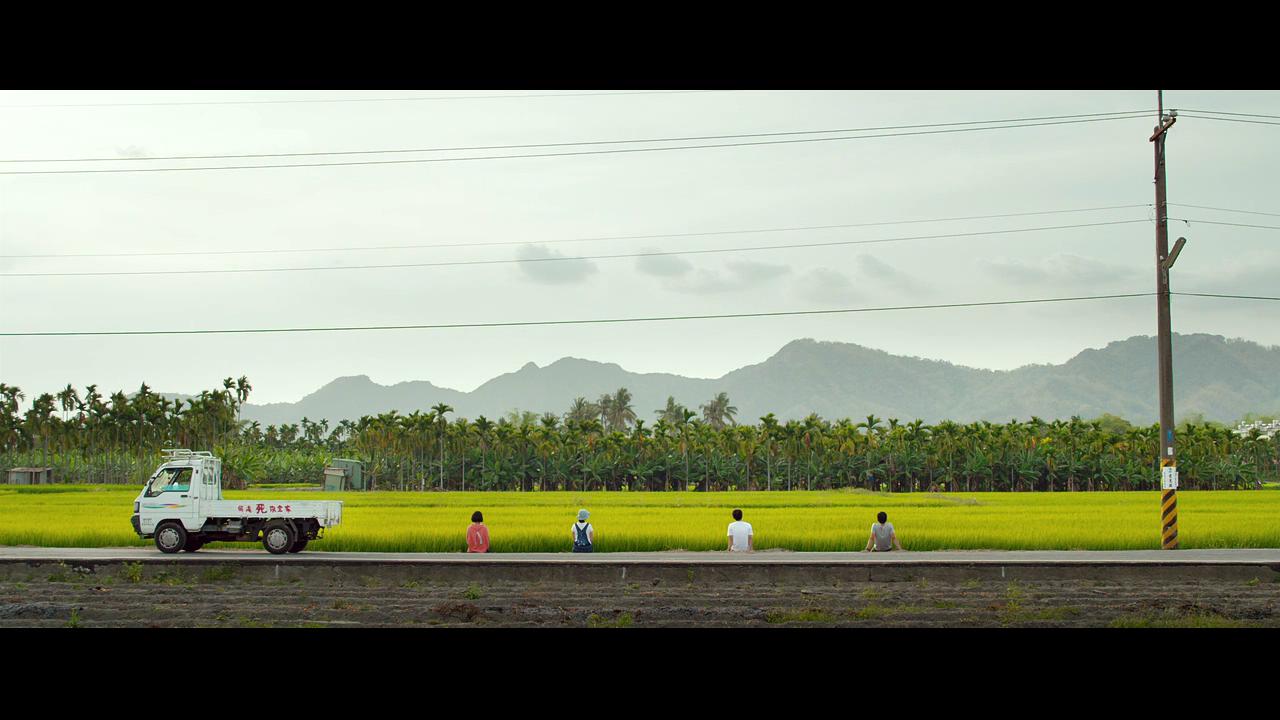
1164 126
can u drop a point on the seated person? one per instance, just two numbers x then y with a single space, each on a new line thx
883 538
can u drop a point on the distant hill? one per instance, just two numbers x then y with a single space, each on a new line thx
1222 379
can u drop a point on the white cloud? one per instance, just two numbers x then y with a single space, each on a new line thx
875 270
1064 271
664 265
735 277
541 266
828 287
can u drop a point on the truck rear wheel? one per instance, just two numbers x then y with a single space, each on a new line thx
299 545
193 543
278 537
171 537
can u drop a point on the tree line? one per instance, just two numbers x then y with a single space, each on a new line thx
605 444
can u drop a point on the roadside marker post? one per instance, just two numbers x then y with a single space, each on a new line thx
1168 505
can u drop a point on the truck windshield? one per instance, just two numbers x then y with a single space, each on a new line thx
174 479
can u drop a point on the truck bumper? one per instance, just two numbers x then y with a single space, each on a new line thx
137 525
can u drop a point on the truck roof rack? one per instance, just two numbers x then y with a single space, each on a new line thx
183 452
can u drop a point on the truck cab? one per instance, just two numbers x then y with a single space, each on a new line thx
176 489
182 508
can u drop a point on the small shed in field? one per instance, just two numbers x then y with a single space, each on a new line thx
31 476
344 474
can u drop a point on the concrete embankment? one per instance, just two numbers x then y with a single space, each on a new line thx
18 563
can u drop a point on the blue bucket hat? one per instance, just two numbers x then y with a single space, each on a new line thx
583 515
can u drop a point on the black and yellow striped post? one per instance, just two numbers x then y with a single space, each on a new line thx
1169 506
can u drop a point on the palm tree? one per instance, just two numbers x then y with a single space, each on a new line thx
39 422
791 433
440 409
462 430
686 429
672 412
811 438
719 413
746 446
661 432
605 405
705 435
242 393
582 410
68 399
769 434
874 430
547 444
228 388
483 427
502 446
11 430
518 418
617 410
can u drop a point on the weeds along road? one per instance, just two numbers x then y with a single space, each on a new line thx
137 587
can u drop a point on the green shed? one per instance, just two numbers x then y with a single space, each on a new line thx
342 474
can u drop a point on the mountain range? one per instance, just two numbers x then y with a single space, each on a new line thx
1219 378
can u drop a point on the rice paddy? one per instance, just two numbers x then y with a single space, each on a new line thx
98 516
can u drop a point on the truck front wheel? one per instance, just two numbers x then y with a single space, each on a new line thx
278 537
171 537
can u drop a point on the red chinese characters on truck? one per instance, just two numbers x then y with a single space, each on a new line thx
264 508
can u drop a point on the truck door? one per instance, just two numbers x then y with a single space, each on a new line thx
169 495
199 492
207 489
215 481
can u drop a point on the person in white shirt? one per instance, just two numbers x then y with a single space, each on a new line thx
741 538
584 536
883 538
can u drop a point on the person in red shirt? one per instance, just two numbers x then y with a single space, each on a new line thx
477 534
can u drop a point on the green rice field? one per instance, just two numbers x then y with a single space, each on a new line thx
98 516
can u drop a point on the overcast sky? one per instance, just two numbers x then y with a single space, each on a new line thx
1019 170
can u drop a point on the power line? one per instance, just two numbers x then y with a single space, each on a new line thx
1218 222
563 154
572 322
687 138
1222 295
1220 112
802 228
359 100
508 261
1206 207
445 326
1235 120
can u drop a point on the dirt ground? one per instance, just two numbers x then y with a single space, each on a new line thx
126 597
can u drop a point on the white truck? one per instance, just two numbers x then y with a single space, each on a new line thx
181 506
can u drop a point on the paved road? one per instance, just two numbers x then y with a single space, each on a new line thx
1263 556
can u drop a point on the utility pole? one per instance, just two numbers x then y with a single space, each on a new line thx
1168 461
